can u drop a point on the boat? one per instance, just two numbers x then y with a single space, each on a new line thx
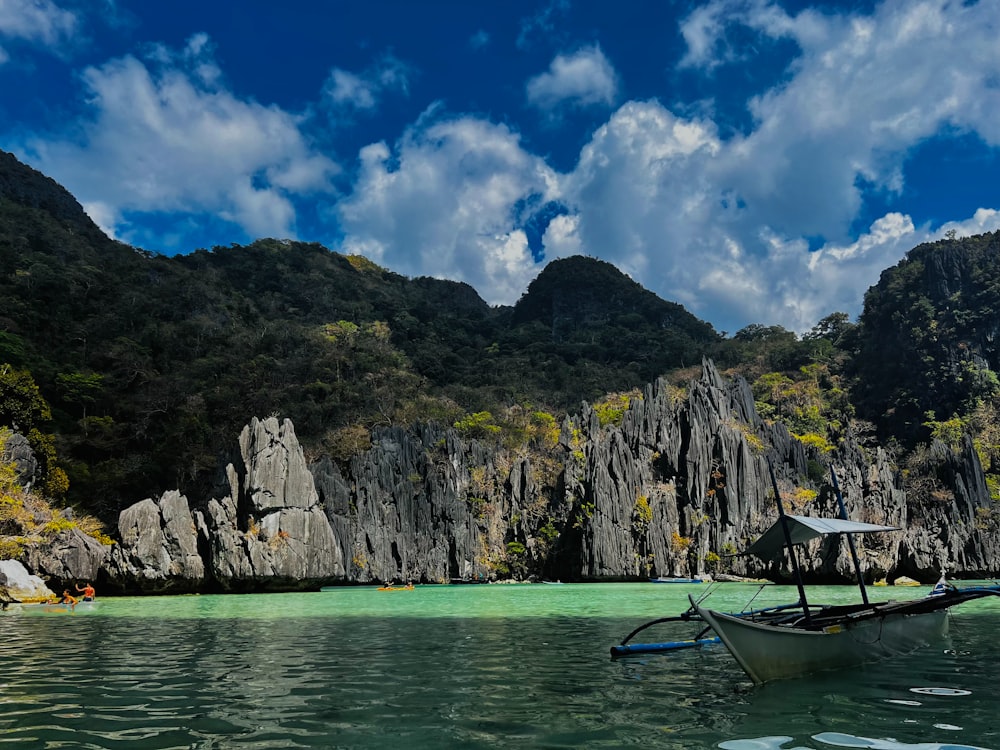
676 580
800 638
387 587
53 607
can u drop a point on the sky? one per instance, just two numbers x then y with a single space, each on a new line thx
755 161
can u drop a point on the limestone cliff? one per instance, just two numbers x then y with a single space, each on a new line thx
675 487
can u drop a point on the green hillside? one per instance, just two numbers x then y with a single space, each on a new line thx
133 372
152 364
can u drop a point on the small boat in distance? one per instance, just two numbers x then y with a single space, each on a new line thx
388 587
796 639
696 579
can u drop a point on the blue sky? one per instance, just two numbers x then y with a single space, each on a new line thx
756 161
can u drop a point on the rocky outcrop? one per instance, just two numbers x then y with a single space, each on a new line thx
268 529
674 487
955 528
69 558
18 585
17 450
265 530
158 548
424 505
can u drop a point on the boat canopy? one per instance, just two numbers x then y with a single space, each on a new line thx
804 529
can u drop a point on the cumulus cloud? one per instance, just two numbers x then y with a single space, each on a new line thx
757 226
728 225
721 225
165 136
363 91
583 78
38 21
444 202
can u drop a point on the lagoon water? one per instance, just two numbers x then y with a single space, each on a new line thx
466 667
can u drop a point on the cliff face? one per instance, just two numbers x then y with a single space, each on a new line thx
265 530
675 489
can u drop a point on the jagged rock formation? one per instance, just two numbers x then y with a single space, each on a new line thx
17 450
679 484
425 505
674 489
955 528
266 530
158 551
69 558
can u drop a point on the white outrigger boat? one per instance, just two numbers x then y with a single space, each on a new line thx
796 639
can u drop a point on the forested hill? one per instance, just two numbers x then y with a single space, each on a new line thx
132 371
146 365
928 345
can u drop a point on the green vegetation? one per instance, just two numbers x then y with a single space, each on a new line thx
642 515
27 516
130 372
611 409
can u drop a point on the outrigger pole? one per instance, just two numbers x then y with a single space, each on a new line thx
850 537
788 543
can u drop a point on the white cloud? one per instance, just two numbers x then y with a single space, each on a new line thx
722 225
363 91
38 21
347 88
167 138
584 78
443 203
702 30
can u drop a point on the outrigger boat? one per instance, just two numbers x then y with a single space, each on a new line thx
796 639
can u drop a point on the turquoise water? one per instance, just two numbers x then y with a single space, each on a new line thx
465 667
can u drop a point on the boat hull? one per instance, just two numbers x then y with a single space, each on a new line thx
773 652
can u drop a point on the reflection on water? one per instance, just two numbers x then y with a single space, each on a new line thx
525 667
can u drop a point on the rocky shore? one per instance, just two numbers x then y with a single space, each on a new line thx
674 489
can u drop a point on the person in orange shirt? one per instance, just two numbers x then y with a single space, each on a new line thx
69 599
88 592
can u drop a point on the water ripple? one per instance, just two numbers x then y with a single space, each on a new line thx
208 679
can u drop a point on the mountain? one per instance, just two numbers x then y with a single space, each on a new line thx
443 438
928 339
151 363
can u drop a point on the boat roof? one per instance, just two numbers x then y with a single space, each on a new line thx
806 528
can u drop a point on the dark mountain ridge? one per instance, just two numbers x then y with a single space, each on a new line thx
151 363
441 437
928 340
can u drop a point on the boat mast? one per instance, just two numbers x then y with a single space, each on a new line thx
850 537
788 543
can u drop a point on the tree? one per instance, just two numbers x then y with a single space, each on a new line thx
21 404
80 388
832 327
